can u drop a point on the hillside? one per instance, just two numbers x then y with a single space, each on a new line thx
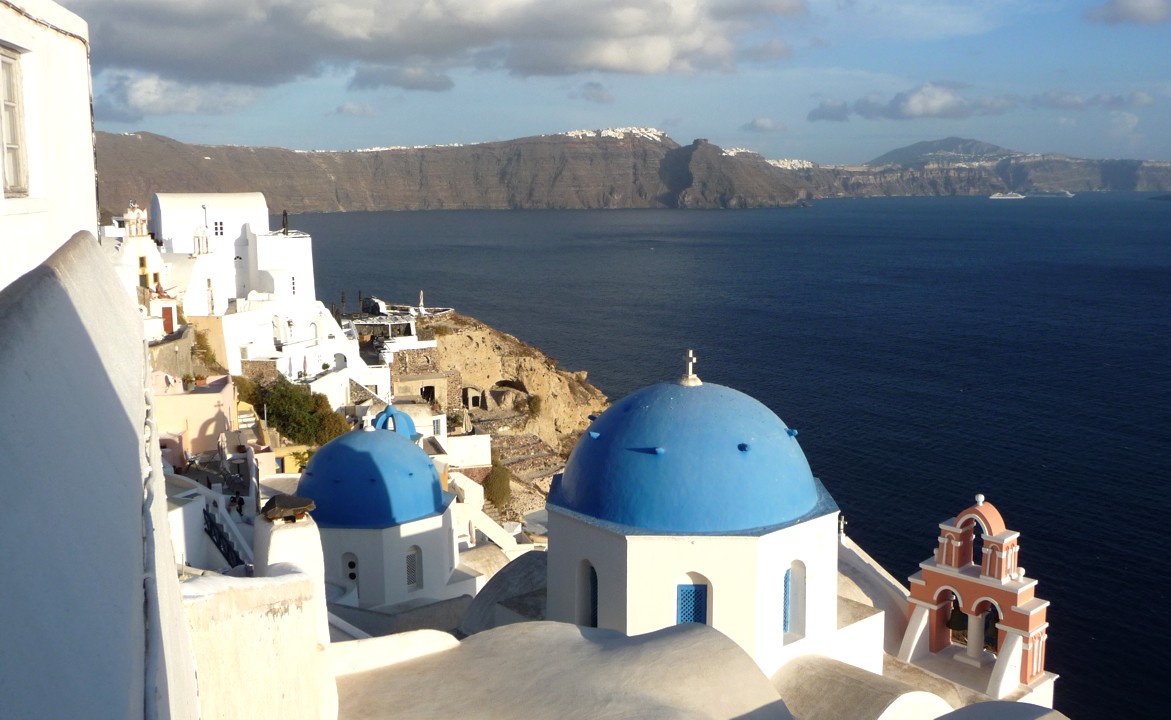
627 168
948 150
631 168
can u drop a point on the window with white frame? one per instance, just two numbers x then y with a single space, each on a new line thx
219 227
12 125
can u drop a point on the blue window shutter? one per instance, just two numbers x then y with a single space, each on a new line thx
692 604
788 595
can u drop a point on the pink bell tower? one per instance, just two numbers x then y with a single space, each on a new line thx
974 582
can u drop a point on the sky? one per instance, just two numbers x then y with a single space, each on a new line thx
832 81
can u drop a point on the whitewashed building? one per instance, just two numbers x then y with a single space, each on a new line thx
252 292
46 156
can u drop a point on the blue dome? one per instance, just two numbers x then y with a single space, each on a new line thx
372 479
689 459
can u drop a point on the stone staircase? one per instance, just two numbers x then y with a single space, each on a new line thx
492 511
246 419
530 460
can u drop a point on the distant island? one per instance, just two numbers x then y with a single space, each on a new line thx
588 169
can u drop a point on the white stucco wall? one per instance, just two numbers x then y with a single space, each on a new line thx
256 643
175 218
280 264
58 134
298 544
468 450
89 572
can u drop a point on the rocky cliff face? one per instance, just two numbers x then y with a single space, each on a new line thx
632 168
1026 173
521 390
600 170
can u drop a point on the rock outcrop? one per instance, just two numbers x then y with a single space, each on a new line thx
516 381
602 169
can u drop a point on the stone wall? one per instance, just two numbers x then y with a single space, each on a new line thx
172 354
261 372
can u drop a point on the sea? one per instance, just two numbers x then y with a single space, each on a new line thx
926 349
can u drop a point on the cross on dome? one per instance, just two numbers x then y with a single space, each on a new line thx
690 379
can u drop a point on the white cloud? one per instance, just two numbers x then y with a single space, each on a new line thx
130 95
1144 12
267 42
930 100
762 125
945 100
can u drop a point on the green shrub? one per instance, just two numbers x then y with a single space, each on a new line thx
246 390
497 486
301 415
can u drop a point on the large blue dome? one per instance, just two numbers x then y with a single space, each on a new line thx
372 479
674 458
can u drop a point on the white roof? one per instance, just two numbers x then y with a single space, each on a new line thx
194 201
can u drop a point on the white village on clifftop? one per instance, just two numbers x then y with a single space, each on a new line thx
168 556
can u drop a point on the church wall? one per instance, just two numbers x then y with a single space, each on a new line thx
382 563
813 543
367 547
58 135
658 564
578 541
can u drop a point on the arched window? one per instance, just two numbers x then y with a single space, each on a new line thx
415 567
794 610
587 596
693 599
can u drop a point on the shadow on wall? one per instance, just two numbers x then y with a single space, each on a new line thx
72 520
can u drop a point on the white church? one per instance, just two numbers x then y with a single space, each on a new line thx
695 566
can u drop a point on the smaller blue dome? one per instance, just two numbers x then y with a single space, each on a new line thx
372 479
702 459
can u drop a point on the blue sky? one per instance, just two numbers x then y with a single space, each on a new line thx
833 81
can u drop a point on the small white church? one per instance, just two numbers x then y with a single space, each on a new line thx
693 502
